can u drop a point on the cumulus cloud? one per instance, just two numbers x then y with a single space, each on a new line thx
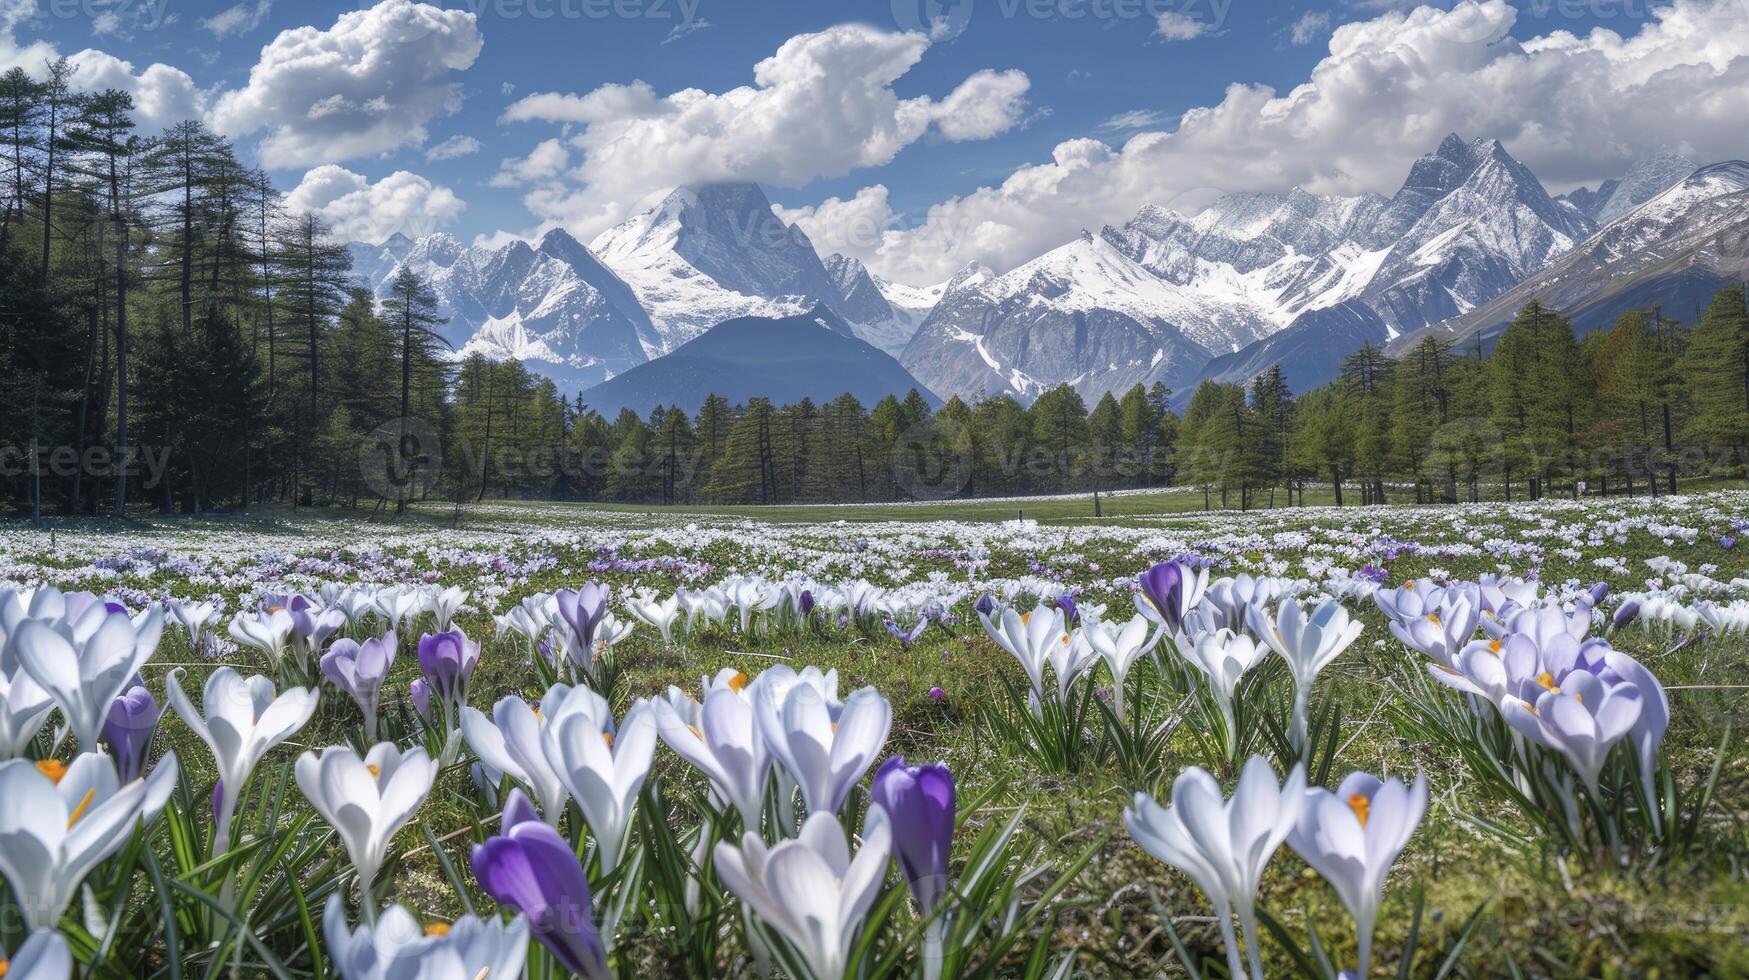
546 161
823 105
362 211
454 148
1311 24
363 87
163 95
31 55
240 19
1575 108
1175 25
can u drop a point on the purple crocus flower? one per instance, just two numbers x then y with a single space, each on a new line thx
583 609
908 636
448 660
420 692
937 693
315 630
1625 613
128 730
920 802
359 669
805 602
1728 541
530 868
1066 603
986 605
1598 593
1174 590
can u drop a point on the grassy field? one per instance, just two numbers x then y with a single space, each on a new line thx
1545 911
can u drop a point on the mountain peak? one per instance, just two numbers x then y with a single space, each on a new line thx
1456 149
973 275
395 241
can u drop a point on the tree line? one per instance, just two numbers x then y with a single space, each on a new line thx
174 337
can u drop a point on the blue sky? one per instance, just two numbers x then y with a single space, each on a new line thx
971 137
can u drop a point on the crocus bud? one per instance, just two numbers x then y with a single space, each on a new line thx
128 731
530 868
1598 592
1626 613
920 803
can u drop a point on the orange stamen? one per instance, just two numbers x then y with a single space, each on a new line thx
1362 807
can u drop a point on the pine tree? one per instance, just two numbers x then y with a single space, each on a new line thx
1716 370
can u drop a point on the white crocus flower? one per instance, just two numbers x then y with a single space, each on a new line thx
1031 638
1120 647
511 742
1308 644
44 956
366 800
192 616
240 719
396 947
750 596
721 739
1353 836
658 614
1223 845
603 767
1070 662
24 709
1224 658
444 605
825 757
809 889
85 672
269 632
59 822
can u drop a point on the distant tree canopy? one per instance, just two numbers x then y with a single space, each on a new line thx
172 337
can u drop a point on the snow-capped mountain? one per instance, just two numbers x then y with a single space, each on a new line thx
552 306
1251 280
1673 251
883 313
1646 179
645 287
1084 313
1159 297
713 253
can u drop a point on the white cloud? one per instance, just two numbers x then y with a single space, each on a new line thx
362 211
365 86
240 19
1311 25
853 227
1576 109
32 55
454 148
163 96
686 27
545 162
1175 25
1135 119
823 105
